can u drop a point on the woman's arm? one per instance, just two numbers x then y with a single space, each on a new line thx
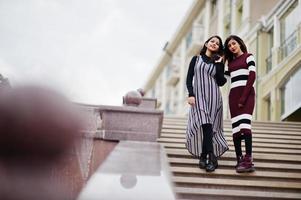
190 75
251 79
219 75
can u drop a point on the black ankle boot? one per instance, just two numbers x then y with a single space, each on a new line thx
203 161
212 163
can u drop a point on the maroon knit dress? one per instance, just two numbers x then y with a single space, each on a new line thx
243 73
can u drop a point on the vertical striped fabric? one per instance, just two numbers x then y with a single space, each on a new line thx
208 109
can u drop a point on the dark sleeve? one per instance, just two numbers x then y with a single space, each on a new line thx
251 79
219 75
190 75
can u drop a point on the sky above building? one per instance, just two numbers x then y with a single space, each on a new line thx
93 51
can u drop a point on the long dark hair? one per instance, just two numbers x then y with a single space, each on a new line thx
228 54
220 50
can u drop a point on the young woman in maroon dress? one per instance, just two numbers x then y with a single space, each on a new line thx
241 68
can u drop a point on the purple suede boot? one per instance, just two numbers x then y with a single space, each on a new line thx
246 165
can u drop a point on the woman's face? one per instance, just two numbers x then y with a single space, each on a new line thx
213 44
234 47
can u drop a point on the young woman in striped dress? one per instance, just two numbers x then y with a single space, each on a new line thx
241 68
205 137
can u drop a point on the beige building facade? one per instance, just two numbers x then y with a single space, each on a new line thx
271 31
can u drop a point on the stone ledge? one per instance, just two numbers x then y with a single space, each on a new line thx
129 123
148 103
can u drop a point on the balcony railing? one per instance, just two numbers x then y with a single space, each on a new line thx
290 43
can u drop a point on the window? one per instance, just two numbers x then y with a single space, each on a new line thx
288 32
291 93
270 46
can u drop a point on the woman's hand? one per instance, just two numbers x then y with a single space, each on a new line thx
219 60
191 101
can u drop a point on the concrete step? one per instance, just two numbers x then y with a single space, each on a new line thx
259 174
228 135
231 155
184 119
231 194
277 159
255 140
263 145
229 131
254 128
229 164
255 149
224 182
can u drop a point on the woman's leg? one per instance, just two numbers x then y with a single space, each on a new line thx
203 158
207 138
248 143
247 164
237 138
207 142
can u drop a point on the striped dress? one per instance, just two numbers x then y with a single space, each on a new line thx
243 73
208 107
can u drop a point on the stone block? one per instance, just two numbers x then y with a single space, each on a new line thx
148 103
129 123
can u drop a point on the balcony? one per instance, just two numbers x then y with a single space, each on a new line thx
290 44
196 39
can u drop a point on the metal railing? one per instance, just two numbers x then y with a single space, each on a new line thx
290 43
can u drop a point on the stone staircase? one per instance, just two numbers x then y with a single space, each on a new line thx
277 158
